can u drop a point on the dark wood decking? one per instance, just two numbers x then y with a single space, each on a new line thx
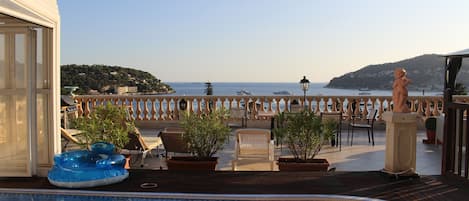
372 184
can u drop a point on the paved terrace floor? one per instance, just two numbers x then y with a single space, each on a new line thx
362 156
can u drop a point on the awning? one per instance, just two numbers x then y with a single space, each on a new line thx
461 53
41 12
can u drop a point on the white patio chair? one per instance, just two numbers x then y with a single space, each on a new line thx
253 146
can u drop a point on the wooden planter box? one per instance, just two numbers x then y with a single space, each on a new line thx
291 164
190 163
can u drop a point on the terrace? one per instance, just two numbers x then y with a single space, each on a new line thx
154 113
30 136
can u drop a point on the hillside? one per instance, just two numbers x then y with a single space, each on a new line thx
100 79
425 71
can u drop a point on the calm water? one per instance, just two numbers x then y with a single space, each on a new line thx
83 195
267 89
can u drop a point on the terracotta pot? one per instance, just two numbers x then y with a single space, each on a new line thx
291 164
431 135
191 163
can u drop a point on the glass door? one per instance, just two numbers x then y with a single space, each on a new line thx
17 65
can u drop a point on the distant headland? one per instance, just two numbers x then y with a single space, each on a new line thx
102 79
425 71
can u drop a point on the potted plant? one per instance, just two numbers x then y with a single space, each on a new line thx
205 135
105 123
305 133
430 125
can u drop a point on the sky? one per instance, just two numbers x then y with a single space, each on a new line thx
257 40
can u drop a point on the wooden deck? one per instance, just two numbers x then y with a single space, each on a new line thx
371 184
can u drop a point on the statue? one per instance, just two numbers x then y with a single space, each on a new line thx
399 92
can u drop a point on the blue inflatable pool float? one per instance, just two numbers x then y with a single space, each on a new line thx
83 168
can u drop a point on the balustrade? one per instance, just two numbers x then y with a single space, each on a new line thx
165 107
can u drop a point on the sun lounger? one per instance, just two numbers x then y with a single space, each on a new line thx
173 142
69 141
138 146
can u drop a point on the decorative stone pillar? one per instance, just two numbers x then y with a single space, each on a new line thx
401 137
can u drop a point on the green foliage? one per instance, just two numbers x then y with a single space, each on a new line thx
304 133
106 123
101 77
205 134
430 123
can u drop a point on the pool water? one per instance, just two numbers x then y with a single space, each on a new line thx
11 194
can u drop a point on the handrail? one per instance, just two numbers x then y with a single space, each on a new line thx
166 107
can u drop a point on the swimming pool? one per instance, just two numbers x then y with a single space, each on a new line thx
11 194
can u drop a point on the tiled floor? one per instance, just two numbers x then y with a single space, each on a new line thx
359 157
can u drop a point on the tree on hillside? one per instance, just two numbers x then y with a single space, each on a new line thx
105 79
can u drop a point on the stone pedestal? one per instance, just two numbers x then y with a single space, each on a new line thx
401 137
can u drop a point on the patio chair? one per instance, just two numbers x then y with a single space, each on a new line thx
337 116
172 139
253 145
138 146
238 114
369 125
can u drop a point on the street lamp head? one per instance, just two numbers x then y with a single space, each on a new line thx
304 83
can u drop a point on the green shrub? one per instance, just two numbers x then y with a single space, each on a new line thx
430 123
205 134
106 123
305 133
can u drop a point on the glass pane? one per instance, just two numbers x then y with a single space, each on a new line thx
13 135
4 126
21 122
20 61
42 129
2 61
42 70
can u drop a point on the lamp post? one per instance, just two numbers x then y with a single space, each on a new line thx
304 83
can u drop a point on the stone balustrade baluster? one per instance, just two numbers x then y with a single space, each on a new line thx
145 109
167 112
159 111
427 109
435 108
365 107
131 109
275 104
139 109
87 106
420 105
153 109
316 109
334 104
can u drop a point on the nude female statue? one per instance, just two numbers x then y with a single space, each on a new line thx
399 92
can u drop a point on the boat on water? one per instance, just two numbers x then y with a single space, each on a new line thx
244 92
364 89
284 92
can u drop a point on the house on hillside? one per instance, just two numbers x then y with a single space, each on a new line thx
126 89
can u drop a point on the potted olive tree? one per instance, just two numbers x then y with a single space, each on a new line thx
305 133
205 135
105 123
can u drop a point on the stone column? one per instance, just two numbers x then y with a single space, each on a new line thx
401 136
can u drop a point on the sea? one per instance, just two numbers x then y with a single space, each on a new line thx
268 89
